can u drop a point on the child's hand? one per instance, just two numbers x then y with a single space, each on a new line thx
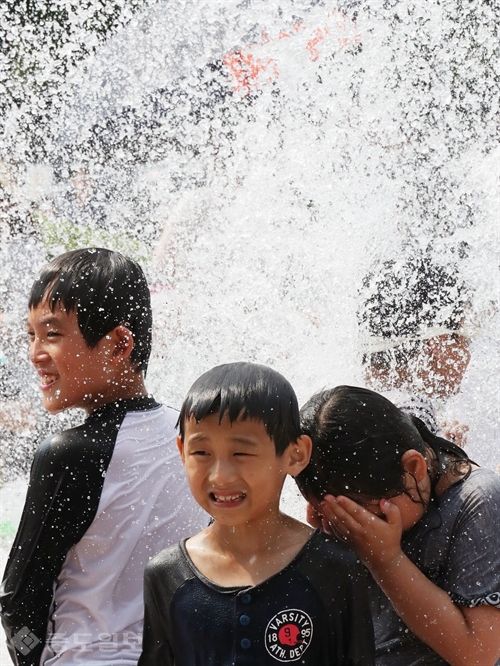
377 541
313 516
319 521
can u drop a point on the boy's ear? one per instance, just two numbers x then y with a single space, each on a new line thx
123 343
299 454
180 446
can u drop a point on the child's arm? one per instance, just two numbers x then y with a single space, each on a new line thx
60 505
462 636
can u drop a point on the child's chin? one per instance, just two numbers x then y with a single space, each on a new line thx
56 405
51 405
54 409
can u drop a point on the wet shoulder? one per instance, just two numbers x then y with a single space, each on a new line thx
97 432
168 570
165 557
84 449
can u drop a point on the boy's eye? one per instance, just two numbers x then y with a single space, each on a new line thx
52 334
199 453
242 453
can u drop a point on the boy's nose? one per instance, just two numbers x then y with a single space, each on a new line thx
222 473
37 351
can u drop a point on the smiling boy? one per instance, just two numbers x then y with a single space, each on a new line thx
256 586
103 497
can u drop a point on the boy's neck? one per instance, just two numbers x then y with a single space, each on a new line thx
247 554
128 385
250 537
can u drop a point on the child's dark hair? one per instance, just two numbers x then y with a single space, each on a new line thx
245 391
358 440
106 290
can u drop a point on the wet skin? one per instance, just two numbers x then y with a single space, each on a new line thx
71 373
236 475
233 470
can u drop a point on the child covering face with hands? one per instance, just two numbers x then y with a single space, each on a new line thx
422 517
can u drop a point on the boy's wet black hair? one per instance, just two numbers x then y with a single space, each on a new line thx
245 391
106 290
359 438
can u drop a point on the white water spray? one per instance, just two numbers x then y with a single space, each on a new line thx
260 158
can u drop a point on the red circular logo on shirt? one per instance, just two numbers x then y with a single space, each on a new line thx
288 635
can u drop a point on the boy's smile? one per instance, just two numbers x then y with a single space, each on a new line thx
227 500
71 373
232 469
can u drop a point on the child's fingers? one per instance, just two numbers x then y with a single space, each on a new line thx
362 516
312 516
332 530
370 522
319 521
339 517
356 522
391 512
329 513
336 528
374 534
352 519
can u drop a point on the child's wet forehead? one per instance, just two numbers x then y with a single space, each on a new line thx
43 314
212 425
42 319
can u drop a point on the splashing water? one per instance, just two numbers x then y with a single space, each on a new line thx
259 159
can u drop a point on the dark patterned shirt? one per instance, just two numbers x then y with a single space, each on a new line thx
314 612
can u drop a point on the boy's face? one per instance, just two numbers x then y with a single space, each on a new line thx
71 374
232 469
